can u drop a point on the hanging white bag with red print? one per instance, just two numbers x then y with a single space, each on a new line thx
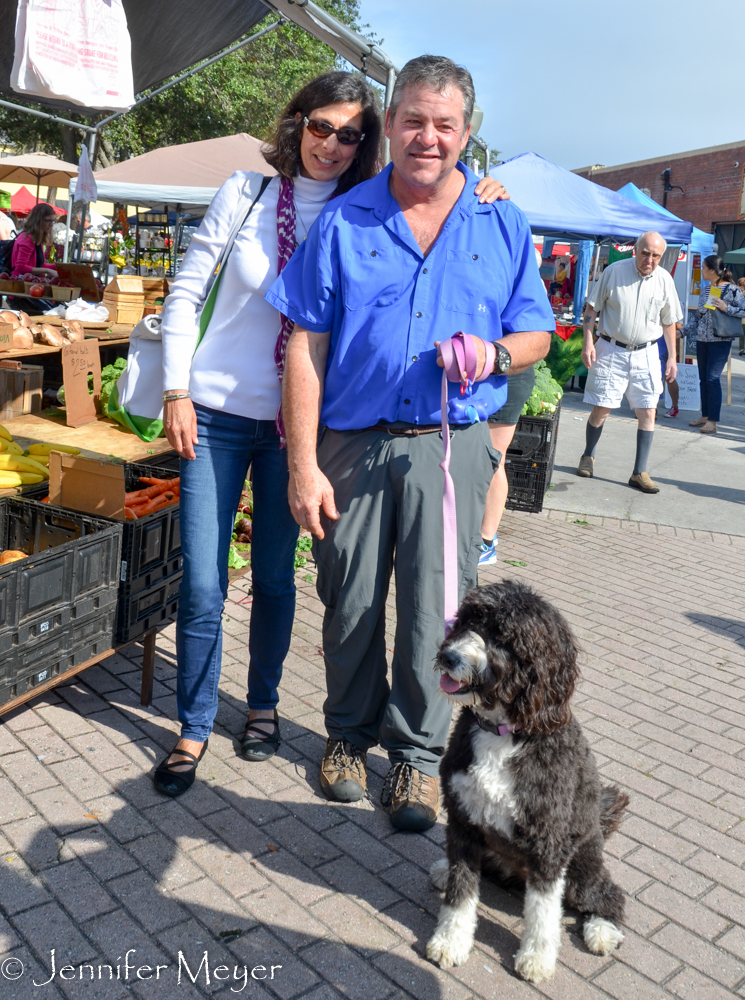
74 50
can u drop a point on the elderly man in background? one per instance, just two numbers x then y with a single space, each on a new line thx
637 303
391 268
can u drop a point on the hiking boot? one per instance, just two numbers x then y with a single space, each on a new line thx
411 798
343 772
641 481
585 466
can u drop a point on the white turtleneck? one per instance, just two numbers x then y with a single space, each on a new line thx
233 369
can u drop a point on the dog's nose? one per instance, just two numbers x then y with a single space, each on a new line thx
449 658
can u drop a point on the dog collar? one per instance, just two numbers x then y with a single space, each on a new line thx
501 730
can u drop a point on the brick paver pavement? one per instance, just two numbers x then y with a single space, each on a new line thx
254 867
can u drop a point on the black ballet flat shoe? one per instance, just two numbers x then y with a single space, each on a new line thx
172 782
258 748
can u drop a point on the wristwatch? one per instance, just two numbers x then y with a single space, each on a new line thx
503 360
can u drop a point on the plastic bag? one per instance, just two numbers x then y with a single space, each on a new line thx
75 50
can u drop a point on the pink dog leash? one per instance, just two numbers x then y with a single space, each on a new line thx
460 365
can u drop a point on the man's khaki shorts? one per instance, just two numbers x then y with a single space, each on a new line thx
618 372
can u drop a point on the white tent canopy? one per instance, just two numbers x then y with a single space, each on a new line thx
154 195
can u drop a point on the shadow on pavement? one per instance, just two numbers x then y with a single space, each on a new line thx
730 628
251 873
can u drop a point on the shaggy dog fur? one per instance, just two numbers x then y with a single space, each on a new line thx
528 803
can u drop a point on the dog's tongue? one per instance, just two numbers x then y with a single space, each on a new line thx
449 684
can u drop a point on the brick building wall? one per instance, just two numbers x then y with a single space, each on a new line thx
712 179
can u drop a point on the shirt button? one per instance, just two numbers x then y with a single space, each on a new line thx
475 256
415 358
419 315
407 401
424 271
373 253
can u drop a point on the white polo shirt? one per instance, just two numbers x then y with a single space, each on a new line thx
633 307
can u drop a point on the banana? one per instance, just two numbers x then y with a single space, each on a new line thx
5 433
21 463
44 449
41 459
11 448
18 479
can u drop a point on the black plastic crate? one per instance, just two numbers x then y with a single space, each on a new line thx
73 560
169 461
535 437
528 482
29 666
151 546
142 611
48 624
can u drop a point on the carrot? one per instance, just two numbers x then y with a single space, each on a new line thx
151 480
155 504
129 514
151 491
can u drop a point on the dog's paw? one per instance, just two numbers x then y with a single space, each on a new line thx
535 966
448 951
601 936
439 874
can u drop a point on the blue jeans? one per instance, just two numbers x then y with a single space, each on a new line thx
210 491
712 357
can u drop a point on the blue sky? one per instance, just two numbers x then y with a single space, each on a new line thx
584 82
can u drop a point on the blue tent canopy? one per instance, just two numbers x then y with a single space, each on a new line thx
701 242
562 204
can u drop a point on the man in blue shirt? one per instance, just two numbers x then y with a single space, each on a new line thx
390 269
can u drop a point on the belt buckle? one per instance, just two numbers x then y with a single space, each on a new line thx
402 431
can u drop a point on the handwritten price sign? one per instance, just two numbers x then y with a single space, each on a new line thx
79 361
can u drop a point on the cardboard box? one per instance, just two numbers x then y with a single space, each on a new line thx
127 284
81 275
87 485
20 389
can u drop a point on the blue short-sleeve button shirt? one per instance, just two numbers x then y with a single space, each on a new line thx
362 276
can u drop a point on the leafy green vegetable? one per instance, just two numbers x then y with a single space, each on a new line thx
514 562
235 561
109 376
564 358
304 544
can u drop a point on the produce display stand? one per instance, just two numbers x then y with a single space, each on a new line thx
103 439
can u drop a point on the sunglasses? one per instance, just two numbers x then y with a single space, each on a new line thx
322 130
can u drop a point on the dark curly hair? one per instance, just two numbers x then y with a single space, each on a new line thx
283 150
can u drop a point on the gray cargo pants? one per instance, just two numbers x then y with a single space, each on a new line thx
388 491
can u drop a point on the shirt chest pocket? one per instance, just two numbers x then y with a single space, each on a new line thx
373 278
655 308
467 283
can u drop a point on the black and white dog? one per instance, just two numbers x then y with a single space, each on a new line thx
521 787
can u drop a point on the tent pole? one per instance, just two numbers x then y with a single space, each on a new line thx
51 118
191 72
389 85
66 254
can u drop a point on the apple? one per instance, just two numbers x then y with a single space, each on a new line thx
37 291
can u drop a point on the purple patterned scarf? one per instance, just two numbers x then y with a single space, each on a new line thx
286 243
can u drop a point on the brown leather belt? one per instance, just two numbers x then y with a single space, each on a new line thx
626 347
407 431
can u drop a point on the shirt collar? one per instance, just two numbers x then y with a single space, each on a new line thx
376 195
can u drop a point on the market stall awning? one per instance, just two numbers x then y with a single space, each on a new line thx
23 201
155 195
701 242
36 169
166 38
562 204
205 164
735 256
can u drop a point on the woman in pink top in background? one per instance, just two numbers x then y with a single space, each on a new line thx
28 249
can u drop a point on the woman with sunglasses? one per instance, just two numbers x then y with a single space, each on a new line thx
221 409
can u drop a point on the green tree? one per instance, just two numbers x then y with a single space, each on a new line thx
243 92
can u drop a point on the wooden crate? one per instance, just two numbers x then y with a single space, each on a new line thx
20 389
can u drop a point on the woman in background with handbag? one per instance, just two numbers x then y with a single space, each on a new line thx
221 402
715 330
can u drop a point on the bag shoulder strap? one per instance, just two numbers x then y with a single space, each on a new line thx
252 192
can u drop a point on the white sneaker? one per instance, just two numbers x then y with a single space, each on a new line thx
488 555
